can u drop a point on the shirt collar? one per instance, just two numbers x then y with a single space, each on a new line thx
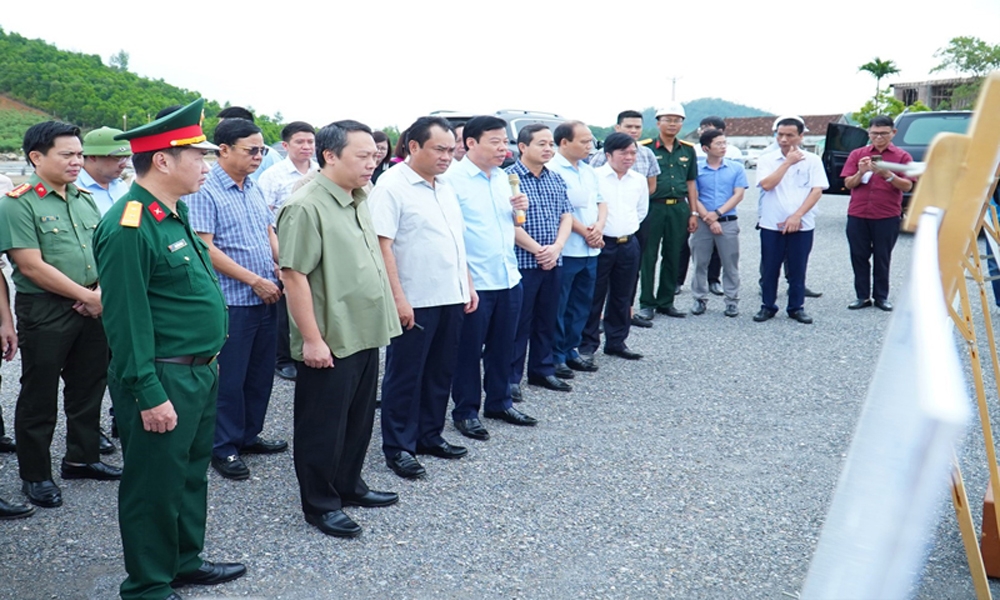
339 194
470 168
35 180
523 171
290 167
412 177
561 161
220 175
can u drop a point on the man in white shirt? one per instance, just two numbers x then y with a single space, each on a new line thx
420 232
791 182
626 194
298 138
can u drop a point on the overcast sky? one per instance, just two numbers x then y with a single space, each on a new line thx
385 63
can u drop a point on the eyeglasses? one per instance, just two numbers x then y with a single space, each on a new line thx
876 134
255 150
672 121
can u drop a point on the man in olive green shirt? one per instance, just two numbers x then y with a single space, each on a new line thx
342 312
166 321
46 226
671 215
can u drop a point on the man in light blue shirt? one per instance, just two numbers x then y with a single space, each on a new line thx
104 161
488 209
579 270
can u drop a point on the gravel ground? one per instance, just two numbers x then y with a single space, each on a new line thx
703 471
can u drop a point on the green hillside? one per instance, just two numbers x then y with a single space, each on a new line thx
695 110
81 89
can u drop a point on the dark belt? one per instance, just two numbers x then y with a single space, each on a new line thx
194 361
667 201
726 219
622 239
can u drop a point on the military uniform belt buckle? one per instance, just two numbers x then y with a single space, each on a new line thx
622 239
670 201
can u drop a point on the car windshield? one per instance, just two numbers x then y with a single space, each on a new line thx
922 130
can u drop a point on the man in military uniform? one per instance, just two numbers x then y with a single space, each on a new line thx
671 215
163 376
46 226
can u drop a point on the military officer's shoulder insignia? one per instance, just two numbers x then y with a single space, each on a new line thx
158 213
19 190
646 142
132 215
686 143
84 191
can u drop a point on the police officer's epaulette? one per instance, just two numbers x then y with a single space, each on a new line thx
85 191
19 190
646 142
686 143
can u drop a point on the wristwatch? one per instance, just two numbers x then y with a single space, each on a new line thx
694 213
889 180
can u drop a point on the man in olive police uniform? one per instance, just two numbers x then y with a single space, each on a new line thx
671 214
163 375
46 226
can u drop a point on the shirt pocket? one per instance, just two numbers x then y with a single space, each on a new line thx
801 178
182 272
56 238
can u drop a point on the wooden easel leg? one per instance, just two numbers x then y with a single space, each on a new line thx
968 529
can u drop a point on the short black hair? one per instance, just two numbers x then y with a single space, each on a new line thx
42 137
420 131
881 121
709 136
166 111
713 121
230 130
628 114
143 161
477 126
296 127
786 122
565 131
333 137
235 112
618 141
527 133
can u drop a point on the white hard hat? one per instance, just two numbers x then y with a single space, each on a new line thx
774 127
674 108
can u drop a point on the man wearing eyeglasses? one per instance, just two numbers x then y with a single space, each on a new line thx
874 212
229 213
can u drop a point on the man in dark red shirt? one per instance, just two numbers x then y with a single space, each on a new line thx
874 212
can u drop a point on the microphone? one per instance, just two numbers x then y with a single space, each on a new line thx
515 183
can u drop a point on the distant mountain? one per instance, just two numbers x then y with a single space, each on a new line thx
695 111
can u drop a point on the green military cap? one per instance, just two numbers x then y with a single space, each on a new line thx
179 129
101 142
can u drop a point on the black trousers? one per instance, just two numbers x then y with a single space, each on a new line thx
57 342
871 239
714 265
283 355
617 266
334 412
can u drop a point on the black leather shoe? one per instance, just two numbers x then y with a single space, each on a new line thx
10 511
42 493
372 499
515 393
97 470
404 465
582 365
732 311
114 427
811 294
638 321
104 445
670 311
335 523
699 307
800 316
764 315
678 290
287 372
512 416
883 305
645 313
716 288
623 352
551 382
262 446
564 372
7 444
472 428
859 303
443 450
210 573
231 467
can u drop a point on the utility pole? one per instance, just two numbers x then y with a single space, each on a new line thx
673 88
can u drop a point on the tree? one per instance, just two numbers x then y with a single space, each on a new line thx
884 104
879 69
969 56
392 132
119 61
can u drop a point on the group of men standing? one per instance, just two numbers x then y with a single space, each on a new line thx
468 273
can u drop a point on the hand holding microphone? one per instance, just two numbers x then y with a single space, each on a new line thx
519 201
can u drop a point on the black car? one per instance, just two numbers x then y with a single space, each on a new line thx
914 132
